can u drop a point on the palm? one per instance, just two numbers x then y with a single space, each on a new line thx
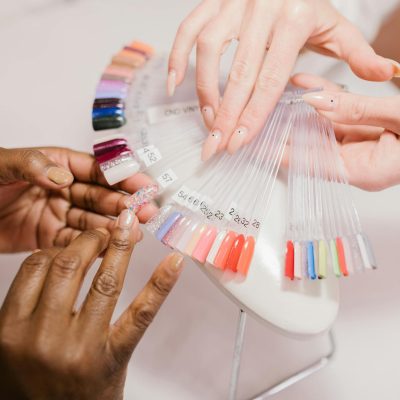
32 217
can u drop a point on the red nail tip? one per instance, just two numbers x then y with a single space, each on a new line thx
234 254
246 256
289 263
224 250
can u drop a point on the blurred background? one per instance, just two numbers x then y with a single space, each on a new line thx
52 54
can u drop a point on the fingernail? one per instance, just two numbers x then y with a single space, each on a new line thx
36 251
208 115
126 219
225 46
176 261
321 101
59 176
396 68
211 145
171 82
237 140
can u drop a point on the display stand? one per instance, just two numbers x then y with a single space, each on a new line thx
285 383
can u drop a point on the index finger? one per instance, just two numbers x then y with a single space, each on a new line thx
132 324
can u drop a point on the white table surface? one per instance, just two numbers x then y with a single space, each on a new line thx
51 58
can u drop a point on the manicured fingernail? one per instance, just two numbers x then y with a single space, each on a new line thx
126 219
171 82
237 140
211 145
321 101
396 68
208 115
36 251
59 176
176 261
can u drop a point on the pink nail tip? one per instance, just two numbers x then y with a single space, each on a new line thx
141 197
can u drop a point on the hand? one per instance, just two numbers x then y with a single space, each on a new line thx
367 130
41 206
48 349
258 78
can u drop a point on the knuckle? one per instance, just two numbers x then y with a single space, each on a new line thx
269 78
66 264
28 159
226 115
357 111
240 72
89 200
205 42
298 12
143 316
161 285
36 262
107 283
122 245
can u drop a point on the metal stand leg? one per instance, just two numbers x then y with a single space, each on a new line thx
284 384
237 352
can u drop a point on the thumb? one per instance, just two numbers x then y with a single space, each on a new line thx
354 109
361 57
31 165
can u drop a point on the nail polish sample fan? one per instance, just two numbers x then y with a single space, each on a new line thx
229 214
161 135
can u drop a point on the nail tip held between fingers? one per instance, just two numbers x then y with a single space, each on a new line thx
59 176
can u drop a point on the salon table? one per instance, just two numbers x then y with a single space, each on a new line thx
52 54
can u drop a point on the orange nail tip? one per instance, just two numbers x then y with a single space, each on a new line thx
246 256
234 254
143 47
341 257
224 250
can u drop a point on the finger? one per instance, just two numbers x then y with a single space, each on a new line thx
217 33
350 133
99 305
373 164
309 81
97 199
288 39
84 220
348 108
66 274
132 324
65 236
33 166
184 41
357 52
245 68
24 292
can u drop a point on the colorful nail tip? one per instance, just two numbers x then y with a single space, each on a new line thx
167 225
289 260
234 253
224 250
246 256
142 197
104 123
204 244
